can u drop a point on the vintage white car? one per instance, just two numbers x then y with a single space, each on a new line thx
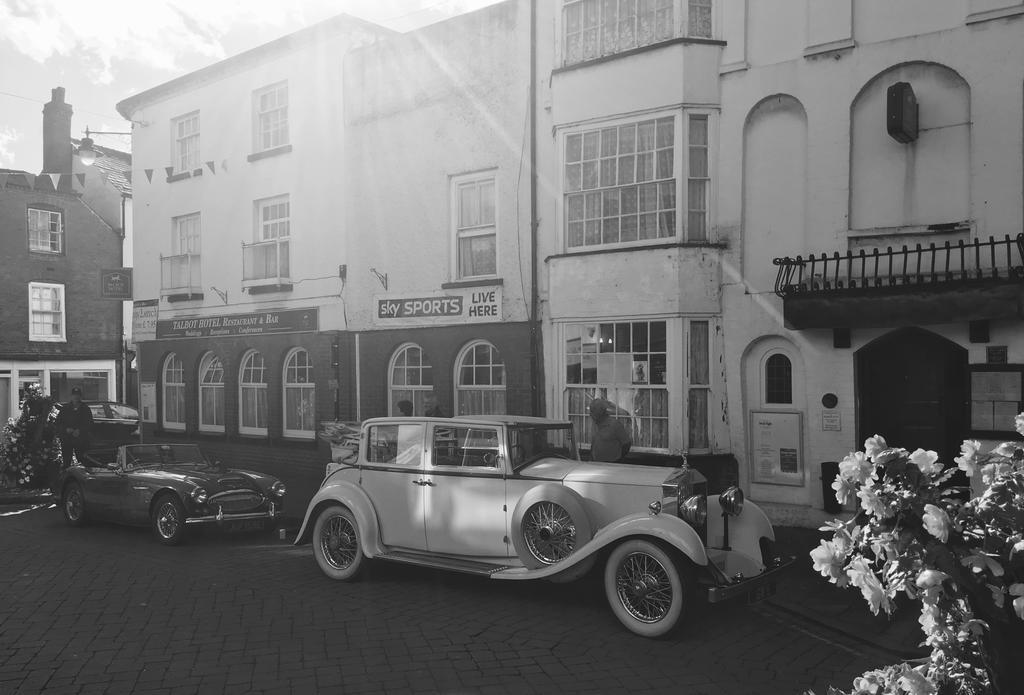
508 497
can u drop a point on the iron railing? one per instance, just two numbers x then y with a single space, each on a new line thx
963 261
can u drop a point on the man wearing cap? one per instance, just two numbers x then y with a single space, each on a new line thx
74 427
609 440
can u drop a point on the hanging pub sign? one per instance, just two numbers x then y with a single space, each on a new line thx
462 305
116 283
268 322
775 447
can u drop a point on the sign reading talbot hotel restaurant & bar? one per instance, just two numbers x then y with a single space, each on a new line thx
259 323
471 305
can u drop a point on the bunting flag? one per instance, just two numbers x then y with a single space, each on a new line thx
212 166
81 179
149 175
169 170
54 179
224 165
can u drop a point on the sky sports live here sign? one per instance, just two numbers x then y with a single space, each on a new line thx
472 305
259 323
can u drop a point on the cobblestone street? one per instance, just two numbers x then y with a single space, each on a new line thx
107 609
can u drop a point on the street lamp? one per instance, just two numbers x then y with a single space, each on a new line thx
87 150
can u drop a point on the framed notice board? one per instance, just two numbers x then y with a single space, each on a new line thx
996 398
776 447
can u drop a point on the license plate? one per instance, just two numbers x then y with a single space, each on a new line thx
762 592
246 525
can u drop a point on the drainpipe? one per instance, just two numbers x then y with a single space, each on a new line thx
536 361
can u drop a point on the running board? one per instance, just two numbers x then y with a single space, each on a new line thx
483 569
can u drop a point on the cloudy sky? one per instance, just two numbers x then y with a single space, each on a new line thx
102 51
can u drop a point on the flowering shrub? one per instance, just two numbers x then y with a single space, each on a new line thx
27 446
962 560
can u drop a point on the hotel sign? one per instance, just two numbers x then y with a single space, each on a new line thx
471 305
259 323
116 284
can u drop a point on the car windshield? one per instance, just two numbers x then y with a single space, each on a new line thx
529 443
163 455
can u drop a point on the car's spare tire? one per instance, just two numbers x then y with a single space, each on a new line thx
548 525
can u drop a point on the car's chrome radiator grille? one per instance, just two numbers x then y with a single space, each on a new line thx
237 501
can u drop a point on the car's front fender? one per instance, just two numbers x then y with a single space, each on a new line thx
668 529
350 495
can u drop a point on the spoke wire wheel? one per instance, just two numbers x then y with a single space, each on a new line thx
337 546
647 589
74 504
168 520
339 543
549 532
643 587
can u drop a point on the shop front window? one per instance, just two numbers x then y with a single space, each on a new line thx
299 395
252 401
480 386
94 384
411 378
174 393
211 394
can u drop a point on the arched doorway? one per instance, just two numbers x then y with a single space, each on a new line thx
912 390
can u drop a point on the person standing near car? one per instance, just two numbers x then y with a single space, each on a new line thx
74 427
609 440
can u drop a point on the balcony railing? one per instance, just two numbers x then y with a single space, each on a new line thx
180 274
920 266
266 263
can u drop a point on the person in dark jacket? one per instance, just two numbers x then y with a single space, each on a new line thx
74 427
609 440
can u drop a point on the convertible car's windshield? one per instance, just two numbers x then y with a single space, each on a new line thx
163 455
529 443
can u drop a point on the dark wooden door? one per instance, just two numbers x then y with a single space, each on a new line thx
912 390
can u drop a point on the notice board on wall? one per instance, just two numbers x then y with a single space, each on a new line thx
776 447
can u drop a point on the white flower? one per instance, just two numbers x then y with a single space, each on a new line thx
844 489
862 577
991 471
915 682
1006 449
1019 422
857 468
872 503
967 461
828 559
927 461
930 578
874 445
936 522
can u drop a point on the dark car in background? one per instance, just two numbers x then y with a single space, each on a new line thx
112 423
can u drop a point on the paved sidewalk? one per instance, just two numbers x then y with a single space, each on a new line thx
808 594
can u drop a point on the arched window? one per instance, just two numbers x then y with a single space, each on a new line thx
410 378
299 395
778 379
174 393
252 394
211 394
480 380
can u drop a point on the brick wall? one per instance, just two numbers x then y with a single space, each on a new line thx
93 325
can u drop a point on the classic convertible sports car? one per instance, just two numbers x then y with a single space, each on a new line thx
168 487
507 497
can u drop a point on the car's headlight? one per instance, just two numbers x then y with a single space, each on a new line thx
199 495
694 510
731 501
278 489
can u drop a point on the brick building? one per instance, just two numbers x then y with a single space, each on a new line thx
55 328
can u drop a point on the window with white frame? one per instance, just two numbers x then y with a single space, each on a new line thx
627 363
273 218
270 106
185 141
410 378
211 394
595 28
174 393
480 380
621 184
186 235
476 249
252 394
181 271
269 256
299 395
45 230
699 19
46 318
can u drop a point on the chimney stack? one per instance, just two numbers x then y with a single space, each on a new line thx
57 148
